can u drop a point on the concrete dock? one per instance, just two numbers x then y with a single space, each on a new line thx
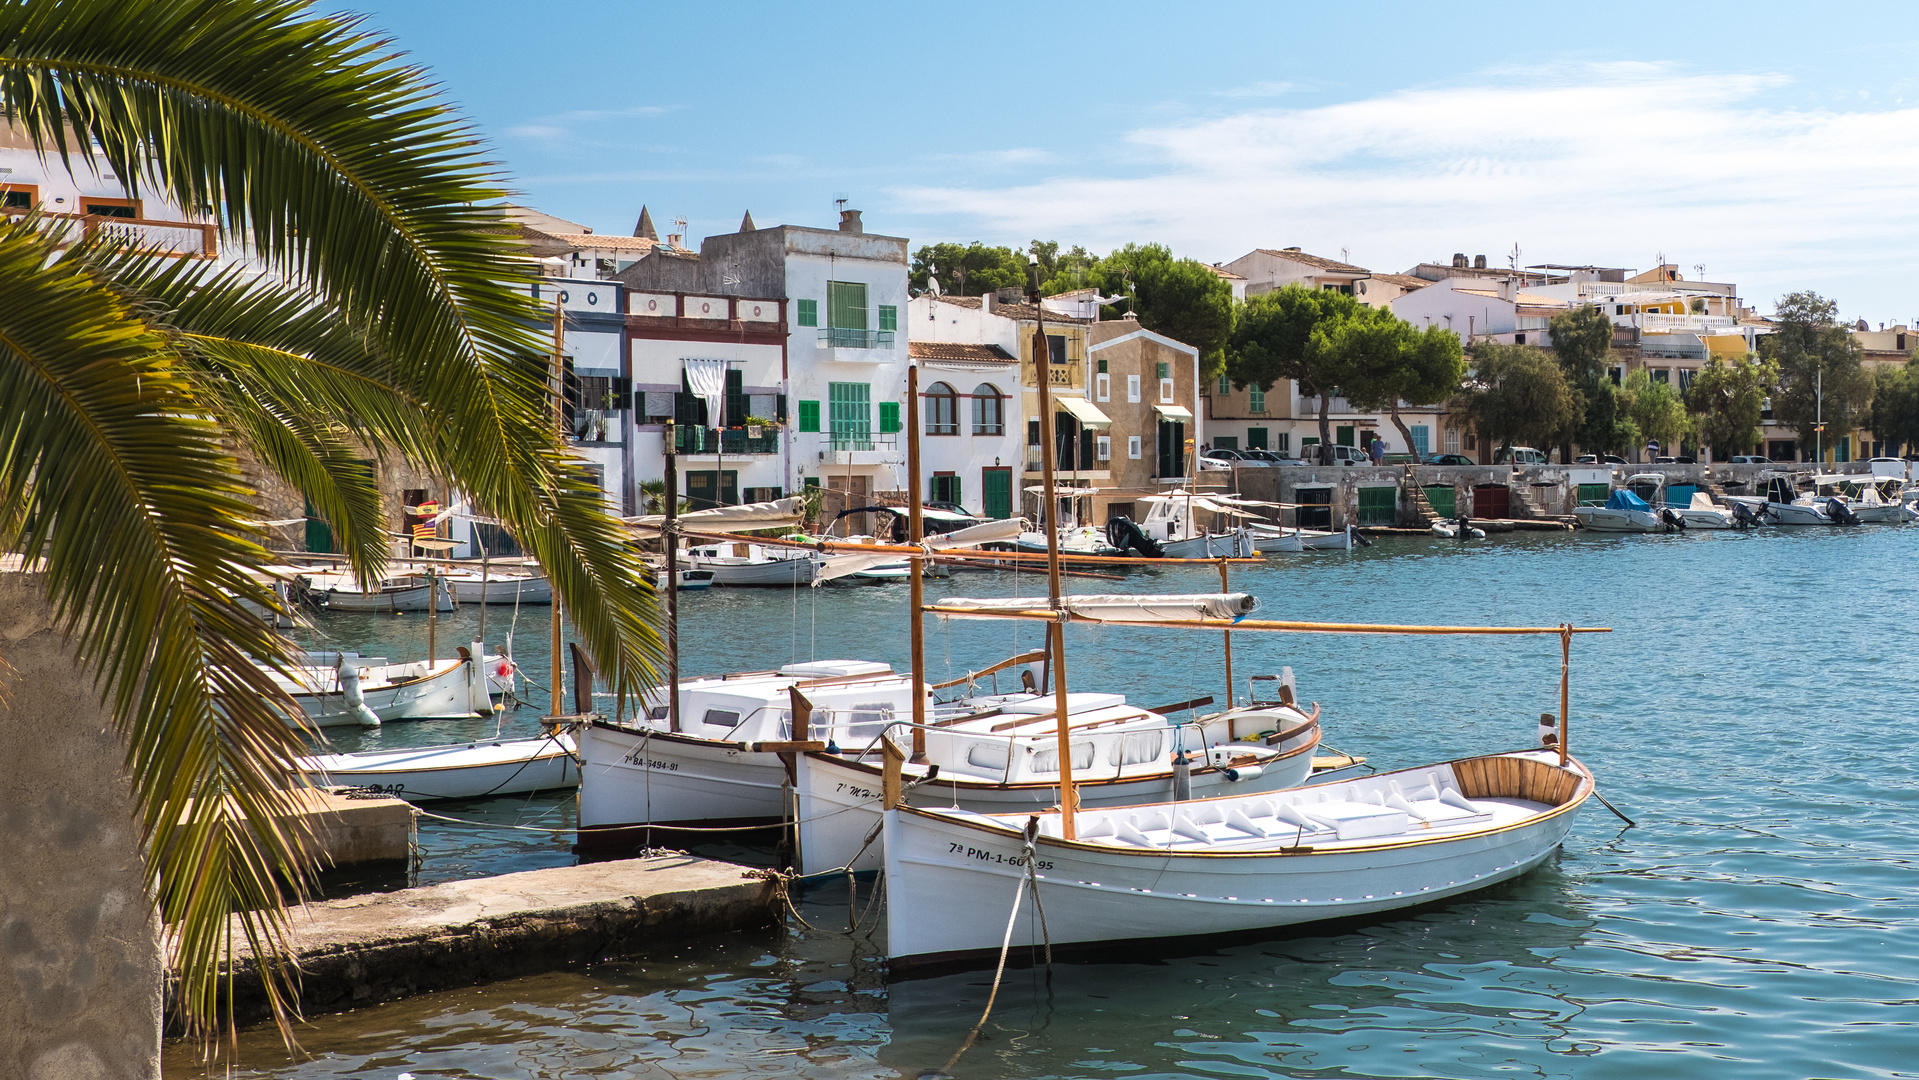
379 947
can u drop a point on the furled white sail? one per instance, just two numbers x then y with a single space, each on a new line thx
1146 607
747 517
986 532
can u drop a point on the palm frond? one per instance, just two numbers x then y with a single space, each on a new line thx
129 502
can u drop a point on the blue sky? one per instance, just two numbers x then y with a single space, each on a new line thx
1777 145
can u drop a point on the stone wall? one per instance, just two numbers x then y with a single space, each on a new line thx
80 972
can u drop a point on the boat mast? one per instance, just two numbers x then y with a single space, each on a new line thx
670 538
559 423
1229 641
916 564
1055 630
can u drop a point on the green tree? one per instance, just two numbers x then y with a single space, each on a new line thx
1656 409
1064 271
1388 362
1286 334
969 269
392 318
1895 407
1726 400
1517 396
1819 371
1582 343
1181 298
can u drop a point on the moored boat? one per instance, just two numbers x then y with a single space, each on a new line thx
459 771
343 592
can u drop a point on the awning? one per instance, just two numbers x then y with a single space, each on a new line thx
1086 412
1174 412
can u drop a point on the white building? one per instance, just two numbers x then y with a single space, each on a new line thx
973 413
843 357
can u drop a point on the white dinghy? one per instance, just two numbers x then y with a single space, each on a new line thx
459 771
344 592
345 689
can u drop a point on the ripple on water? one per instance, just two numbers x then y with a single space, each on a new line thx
1751 711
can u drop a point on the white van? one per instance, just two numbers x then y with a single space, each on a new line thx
1518 455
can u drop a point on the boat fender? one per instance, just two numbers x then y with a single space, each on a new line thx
356 701
1244 772
833 747
1182 778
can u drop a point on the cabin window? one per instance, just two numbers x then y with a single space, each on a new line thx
1137 749
1047 760
658 712
989 755
868 718
722 718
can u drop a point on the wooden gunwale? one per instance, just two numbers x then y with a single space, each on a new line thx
1580 794
1047 615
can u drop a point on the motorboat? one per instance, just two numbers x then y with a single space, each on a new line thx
1622 512
340 591
1230 864
1784 507
737 563
497 586
1073 540
1700 513
1170 528
1864 497
342 689
459 771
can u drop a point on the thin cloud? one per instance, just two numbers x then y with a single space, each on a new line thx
1259 90
1603 163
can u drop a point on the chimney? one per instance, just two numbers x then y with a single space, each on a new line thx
1479 262
986 303
850 222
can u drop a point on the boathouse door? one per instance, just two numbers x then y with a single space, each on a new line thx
1492 501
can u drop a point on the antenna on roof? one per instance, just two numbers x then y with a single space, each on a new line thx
1515 256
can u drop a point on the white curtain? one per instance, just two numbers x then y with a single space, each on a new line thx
707 378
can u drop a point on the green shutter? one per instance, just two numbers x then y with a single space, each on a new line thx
889 317
889 417
1256 398
809 312
1165 370
1225 385
1594 494
996 489
809 416
1343 435
852 415
846 305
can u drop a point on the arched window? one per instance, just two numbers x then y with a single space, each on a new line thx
942 410
989 410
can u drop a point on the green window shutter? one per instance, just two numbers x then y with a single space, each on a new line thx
1165 370
846 305
1256 398
889 317
1343 435
1225 385
889 417
808 312
809 416
851 415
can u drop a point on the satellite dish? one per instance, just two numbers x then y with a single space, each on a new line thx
932 285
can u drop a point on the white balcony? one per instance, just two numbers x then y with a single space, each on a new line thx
856 346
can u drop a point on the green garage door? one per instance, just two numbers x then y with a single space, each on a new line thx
1378 505
1444 500
1594 494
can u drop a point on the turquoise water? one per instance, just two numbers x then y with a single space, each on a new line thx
1753 711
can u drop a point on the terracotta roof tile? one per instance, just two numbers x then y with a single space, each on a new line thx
973 354
1313 260
1020 310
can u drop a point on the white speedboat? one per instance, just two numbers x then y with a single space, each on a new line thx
343 592
1224 865
1860 495
1703 513
1073 540
343 689
1170 528
460 771
1785 507
737 563
1622 512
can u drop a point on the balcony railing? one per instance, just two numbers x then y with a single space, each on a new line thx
1686 322
838 338
699 440
861 440
174 239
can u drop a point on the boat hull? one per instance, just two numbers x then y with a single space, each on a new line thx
633 777
448 690
465 771
1797 514
516 590
778 572
1293 540
1237 544
951 880
1602 519
839 800
403 598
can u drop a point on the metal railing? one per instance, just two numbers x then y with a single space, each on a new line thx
861 440
841 338
698 440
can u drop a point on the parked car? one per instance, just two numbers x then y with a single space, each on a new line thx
1670 459
1231 458
1342 455
1599 459
1518 455
1209 463
1448 459
1263 457
1402 459
1747 459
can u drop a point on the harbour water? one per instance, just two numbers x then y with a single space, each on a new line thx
1753 711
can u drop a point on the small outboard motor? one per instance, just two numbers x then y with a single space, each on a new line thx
1840 513
1743 516
1674 522
1124 535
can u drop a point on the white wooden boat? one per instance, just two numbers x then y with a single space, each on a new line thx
739 563
344 689
1172 522
1271 539
459 771
1225 865
343 592
499 587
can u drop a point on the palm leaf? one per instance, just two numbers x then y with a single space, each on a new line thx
126 497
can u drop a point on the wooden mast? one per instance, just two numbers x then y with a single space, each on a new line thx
559 420
1229 640
917 564
1056 630
670 538
1565 686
